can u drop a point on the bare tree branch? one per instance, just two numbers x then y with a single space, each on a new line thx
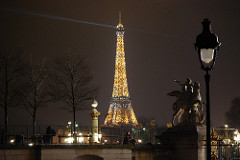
72 82
11 72
36 94
232 115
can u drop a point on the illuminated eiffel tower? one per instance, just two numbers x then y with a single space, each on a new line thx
120 112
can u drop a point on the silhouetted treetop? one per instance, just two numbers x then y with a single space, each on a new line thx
232 116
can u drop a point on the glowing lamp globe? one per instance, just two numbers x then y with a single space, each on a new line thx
207 55
94 104
207 45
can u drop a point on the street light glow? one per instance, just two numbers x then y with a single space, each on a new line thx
207 55
236 136
94 104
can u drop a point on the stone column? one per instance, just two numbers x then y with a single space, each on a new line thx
94 114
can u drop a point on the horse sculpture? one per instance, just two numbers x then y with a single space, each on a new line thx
189 106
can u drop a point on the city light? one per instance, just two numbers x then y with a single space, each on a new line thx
236 136
226 141
95 137
69 140
30 144
80 139
100 136
12 141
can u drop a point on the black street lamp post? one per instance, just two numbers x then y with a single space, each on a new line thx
207 45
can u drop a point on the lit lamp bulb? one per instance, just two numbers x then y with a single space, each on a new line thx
236 132
94 104
207 55
236 136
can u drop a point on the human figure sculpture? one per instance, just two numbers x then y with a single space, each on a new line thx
188 106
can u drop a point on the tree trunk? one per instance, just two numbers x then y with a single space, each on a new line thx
6 120
34 114
74 111
74 125
6 105
5 126
34 126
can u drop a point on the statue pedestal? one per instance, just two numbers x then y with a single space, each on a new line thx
184 140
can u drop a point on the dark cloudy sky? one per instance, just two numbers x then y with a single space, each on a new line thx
159 48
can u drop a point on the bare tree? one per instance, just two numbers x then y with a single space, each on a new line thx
232 115
72 81
11 71
36 93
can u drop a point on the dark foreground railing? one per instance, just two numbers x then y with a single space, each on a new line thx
22 134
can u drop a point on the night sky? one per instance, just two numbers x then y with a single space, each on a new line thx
159 48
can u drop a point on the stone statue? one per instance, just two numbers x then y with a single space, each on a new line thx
189 106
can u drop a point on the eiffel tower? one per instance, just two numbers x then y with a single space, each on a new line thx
120 112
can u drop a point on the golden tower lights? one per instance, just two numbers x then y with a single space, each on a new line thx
120 111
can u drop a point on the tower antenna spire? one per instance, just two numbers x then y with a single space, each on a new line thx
120 17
